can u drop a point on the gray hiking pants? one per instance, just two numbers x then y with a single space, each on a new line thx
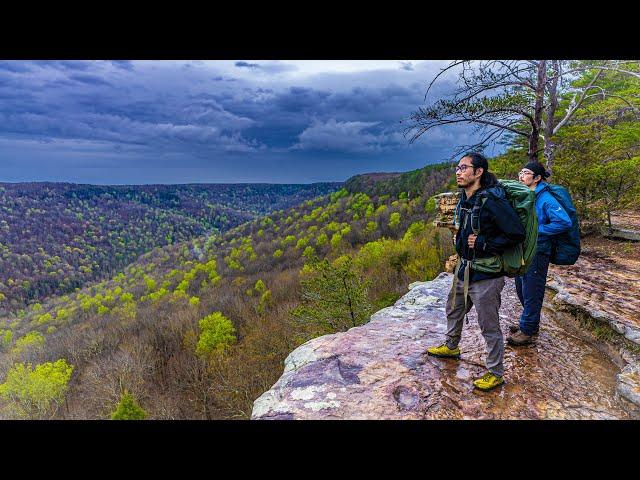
486 296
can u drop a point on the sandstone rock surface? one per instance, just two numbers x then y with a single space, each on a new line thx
626 225
379 371
605 287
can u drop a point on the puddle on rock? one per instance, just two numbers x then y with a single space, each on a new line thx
561 376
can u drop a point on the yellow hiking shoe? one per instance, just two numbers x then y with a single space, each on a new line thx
488 381
443 351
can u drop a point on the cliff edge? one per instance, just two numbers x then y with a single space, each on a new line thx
380 371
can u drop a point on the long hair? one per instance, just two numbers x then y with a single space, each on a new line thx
487 179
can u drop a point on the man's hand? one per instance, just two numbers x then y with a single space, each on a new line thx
472 240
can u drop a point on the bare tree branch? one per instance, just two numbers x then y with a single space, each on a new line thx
444 70
575 105
509 96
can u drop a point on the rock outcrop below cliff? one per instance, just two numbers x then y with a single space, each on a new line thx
607 288
379 370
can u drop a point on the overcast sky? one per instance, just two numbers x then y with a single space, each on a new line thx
119 122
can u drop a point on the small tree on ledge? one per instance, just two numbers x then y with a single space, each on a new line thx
335 297
128 409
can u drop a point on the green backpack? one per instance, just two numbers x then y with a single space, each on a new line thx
517 259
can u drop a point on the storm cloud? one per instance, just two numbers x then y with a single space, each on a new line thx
124 121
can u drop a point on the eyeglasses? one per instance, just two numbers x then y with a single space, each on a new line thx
522 173
463 168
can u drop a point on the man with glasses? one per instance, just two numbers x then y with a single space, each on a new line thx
500 228
552 220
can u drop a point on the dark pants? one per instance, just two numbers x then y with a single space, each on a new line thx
530 288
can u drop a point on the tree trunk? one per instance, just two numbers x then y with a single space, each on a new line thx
205 404
549 145
353 317
534 138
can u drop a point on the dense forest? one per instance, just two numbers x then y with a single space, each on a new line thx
55 237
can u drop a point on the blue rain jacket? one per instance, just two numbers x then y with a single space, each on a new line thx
552 218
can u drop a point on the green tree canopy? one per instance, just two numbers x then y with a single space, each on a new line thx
36 392
216 334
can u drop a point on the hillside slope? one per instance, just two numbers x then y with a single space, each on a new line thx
145 330
430 178
55 237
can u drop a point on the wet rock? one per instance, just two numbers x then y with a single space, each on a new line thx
625 226
623 234
629 383
407 398
380 371
604 288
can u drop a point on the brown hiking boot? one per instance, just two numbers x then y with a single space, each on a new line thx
518 338
516 328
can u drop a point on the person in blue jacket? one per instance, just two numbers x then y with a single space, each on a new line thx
552 220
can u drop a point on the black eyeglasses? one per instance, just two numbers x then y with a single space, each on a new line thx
522 173
463 168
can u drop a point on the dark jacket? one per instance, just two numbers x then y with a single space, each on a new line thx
500 228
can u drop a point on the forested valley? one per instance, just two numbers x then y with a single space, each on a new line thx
55 237
200 328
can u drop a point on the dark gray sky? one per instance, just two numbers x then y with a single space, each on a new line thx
116 122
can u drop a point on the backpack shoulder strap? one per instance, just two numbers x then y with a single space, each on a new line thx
546 188
481 199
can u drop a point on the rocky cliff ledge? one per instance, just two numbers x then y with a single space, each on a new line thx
379 370
605 288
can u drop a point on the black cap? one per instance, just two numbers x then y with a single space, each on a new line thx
537 169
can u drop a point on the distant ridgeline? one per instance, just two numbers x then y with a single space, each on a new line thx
426 180
54 237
